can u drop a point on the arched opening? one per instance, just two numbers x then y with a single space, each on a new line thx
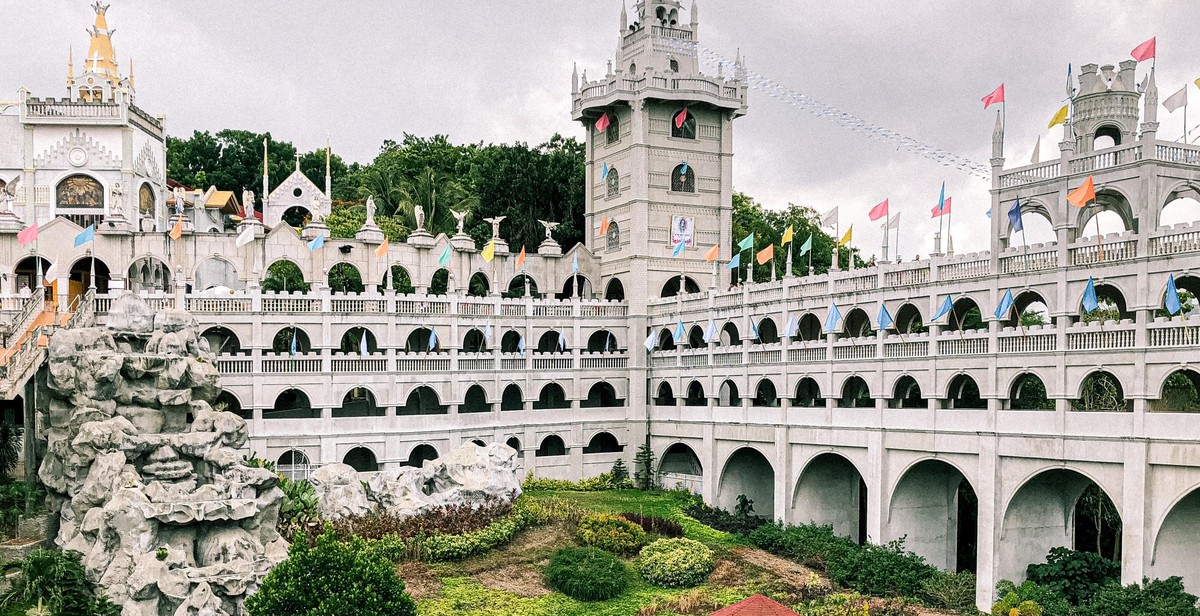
601 395
1187 287
1177 543
612 132
228 402
857 324
291 340
218 275
695 395
28 278
512 399
552 445
292 404
422 401
1180 210
439 284
475 401
552 342
148 274
283 276
935 509
965 316
358 402
683 128
1059 507
664 396
552 396
362 459
1029 309
479 285
358 340
612 239
222 340
297 216
767 333
683 178
1106 136
576 285
614 291
1180 393
522 285
764 394
510 342
419 339
748 472
963 393
602 341
809 328
81 277
80 199
612 183
345 278
831 492
293 464
671 286
603 442
908 320
1109 213
680 466
907 394
695 338
729 335
855 394
515 444
398 280
474 342
1110 305
420 455
808 394
727 394
1028 393
1102 392
666 340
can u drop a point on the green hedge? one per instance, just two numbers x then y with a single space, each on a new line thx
587 574
609 532
676 563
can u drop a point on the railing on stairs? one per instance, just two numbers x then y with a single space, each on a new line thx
18 362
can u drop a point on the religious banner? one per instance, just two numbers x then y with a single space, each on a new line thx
683 229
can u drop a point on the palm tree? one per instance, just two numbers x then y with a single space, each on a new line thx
437 192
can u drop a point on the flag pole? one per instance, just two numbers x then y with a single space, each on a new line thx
837 234
1099 237
788 268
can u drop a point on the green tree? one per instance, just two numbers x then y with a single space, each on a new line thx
643 463
230 160
768 226
284 276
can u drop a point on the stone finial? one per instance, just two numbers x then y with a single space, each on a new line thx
998 138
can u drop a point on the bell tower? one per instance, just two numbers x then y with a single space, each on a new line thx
659 156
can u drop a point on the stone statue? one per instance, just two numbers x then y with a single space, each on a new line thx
549 226
317 214
420 216
9 193
495 225
117 191
459 217
370 211
248 202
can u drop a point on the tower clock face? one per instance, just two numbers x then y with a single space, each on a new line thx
77 157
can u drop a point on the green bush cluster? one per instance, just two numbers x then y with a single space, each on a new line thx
655 524
1075 575
586 574
611 533
951 591
676 563
740 523
57 580
328 578
854 604
1150 598
599 483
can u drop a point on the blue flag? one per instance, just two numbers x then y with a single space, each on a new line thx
831 321
989 212
735 262
85 236
1090 302
317 242
1014 216
1173 303
683 169
1006 304
432 339
679 248
942 199
521 345
944 309
293 350
679 331
604 172
753 329
885 317
575 263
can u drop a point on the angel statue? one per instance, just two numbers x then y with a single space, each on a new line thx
9 193
317 214
370 211
459 217
549 226
248 202
495 225
419 214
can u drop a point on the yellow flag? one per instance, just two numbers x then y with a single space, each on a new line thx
489 251
787 236
846 238
1059 117
177 231
382 250
1198 83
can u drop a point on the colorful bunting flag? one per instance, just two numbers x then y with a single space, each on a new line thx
315 243
997 96
444 259
885 317
735 262
680 246
1014 216
879 211
766 254
1060 117
747 243
712 253
489 251
683 170
944 309
831 320
1090 302
382 250
85 236
1081 196
1006 304
787 236
1145 51
27 235
1173 304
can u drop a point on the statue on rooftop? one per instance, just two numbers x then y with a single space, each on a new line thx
548 226
248 202
9 193
419 214
495 225
459 217
370 211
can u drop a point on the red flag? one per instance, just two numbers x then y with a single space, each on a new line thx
1082 195
177 231
1145 51
27 235
943 210
879 211
997 96
602 123
680 118
521 257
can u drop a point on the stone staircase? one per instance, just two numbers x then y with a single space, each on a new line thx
31 328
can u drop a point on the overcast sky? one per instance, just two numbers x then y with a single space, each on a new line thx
360 72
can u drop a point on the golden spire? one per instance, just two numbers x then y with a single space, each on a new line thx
131 73
71 65
101 57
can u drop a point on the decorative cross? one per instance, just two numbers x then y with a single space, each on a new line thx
297 161
95 59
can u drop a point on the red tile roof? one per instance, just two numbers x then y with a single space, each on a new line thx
758 605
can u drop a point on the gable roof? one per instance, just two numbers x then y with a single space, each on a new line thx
223 200
758 605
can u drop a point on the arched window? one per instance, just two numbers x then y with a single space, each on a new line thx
613 238
146 201
398 280
683 178
284 276
222 340
674 65
513 400
358 402
615 291
362 459
855 394
475 401
765 394
1101 391
357 340
695 395
612 133
1106 137
292 404
79 191
808 394
601 395
290 338
552 397
964 394
603 442
474 342
420 455
614 182
727 395
685 129
422 401
664 397
552 445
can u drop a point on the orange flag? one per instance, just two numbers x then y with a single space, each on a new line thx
177 231
382 251
1082 195
712 253
766 254
603 226
521 258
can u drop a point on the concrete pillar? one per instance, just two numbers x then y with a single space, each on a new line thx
782 464
875 486
1136 536
989 515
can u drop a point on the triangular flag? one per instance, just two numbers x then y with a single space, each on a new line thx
1014 216
712 253
85 236
943 206
680 118
1059 117
521 258
382 250
946 307
521 345
602 123
753 329
830 218
1037 151
1081 196
747 243
735 262
603 226
885 317
766 254
1176 100
710 332
562 341
575 263
847 237
650 342
787 236
362 343
879 211
247 236
432 339
1145 51
1090 302
997 96
1006 304
444 260
683 170
177 230
832 320
315 243
679 331
806 246
604 172
50 275
680 246
894 221
27 235
1173 304
489 251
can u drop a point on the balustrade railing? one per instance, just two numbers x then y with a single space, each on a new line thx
1091 252
1016 341
1028 261
905 349
1100 336
855 348
952 344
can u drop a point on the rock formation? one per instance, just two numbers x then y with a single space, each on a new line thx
145 477
468 475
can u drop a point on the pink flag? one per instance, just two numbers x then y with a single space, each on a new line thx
27 235
680 118
943 210
1145 51
602 123
997 96
879 211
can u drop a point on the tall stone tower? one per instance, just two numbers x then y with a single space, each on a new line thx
659 156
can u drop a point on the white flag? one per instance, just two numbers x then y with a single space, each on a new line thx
830 218
790 329
1176 100
51 274
710 333
245 237
650 342
894 222
1037 151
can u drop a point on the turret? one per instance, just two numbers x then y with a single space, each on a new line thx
624 20
1106 106
694 13
998 141
1150 109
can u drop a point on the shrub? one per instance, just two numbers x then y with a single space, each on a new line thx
331 577
720 519
1029 599
1150 598
853 604
655 524
676 563
643 462
611 533
950 591
619 472
811 545
599 483
1077 576
447 519
57 580
586 574
881 570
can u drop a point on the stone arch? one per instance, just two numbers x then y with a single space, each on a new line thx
293 464
1106 136
552 341
475 400
222 340
747 471
344 277
963 393
26 274
695 395
671 286
857 324
292 403
966 315
439 282
601 395
830 491
679 465
474 341
353 338
479 285
1028 392
1029 308
81 276
1185 284
551 396
1037 224
515 444
284 276
934 507
612 182
666 340
398 279
809 328
362 459
517 286
664 395
512 399
729 335
1101 390
727 394
148 273
764 394
511 341
683 176
767 332
79 190
282 342
685 129
418 341
420 455
576 284
855 393
1111 203
808 394
422 400
214 272
603 442
908 319
232 404
1179 392
1111 304
359 401
297 216
906 394
695 338
1181 205
602 341
1177 541
551 445
614 290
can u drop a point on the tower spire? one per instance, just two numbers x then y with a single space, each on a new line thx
328 178
998 138
101 57
71 65
624 19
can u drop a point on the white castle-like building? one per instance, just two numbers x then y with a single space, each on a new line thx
880 433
